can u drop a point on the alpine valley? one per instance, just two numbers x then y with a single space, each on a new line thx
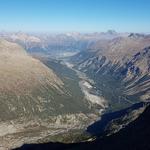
78 89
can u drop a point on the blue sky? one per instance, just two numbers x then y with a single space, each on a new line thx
75 15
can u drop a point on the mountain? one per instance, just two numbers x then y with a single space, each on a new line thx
24 82
113 122
34 102
133 136
64 44
105 79
119 67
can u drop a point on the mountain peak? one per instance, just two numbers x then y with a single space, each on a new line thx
111 32
136 35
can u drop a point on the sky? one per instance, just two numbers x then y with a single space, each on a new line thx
75 15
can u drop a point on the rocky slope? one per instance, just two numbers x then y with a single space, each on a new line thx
64 44
133 136
113 122
23 82
33 98
119 67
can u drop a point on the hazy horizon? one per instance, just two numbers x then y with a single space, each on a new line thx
66 32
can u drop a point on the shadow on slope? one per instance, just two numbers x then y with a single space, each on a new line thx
135 136
98 127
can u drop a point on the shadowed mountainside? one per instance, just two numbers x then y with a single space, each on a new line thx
134 136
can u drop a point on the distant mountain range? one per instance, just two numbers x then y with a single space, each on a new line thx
52 44
24 83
